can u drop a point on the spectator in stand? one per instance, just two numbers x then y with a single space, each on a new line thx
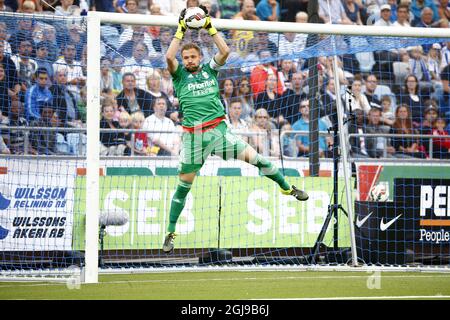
351 9
78 38
101 5
302 124
22 5
136 34
10 83
289 145
64 101
337 12
431 113
124 120
377 146
410 96
445 100
5 99
444 10
75 77
260 73
112 143
16 138
42 59
387 116
119 6
67 8
262 42
132 6
301 17
426 20
357 125
405 146
166 84
168 143
329 102
228 8
434 62
371 85
441 147
292 97
213 9
227 92
385 16
402 16
287 68
106 77
4 7
116 73
265 141
155 10
37 96
242 38
234 119
161 44
131 98
4 38
207 46
289 42
417 7
268 10
245 96
139 65
25 66
49 38
270 100
445 56
154 88
44 141
141 145
357 99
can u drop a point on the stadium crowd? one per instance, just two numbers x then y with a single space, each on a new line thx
399 91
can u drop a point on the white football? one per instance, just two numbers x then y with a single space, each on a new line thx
379 192
195 17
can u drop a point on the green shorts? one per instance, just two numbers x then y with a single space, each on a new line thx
197 147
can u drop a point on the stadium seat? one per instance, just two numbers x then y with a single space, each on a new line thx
229 172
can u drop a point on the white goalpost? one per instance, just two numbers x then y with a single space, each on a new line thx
95 18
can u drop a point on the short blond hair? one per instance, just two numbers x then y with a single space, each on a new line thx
124 115
138 115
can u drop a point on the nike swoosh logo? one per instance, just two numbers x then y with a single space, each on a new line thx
384 226
360 223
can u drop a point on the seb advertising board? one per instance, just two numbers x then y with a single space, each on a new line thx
36 209
253 212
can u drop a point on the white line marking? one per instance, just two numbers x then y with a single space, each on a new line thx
232 279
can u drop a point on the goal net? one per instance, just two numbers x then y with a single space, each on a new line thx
82 193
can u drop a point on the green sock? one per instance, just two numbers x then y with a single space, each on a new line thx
177 204
267 169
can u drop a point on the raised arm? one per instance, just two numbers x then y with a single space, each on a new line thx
224 51
172 63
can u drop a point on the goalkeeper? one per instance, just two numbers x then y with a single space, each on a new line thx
205 131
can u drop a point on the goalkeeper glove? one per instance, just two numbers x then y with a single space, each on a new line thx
182 27
208 26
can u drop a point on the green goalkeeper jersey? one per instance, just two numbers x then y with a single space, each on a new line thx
198 94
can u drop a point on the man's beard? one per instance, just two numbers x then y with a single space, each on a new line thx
192 68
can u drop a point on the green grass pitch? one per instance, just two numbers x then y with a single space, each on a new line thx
230 285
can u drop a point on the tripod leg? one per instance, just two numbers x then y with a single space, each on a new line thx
319 239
